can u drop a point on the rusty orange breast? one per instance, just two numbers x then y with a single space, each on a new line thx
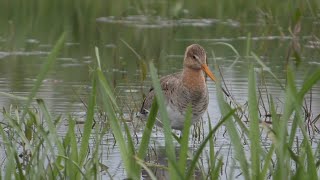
193 79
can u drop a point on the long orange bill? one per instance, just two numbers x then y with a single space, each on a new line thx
206 69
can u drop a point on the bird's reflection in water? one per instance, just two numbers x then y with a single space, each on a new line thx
158 163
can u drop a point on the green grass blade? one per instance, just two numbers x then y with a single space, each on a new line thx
184 141
267 69
44 138
311 161
88 123
212 155
317 151
294 127
72 139
111 107
267 162
51 126
115 126
132 49
217 169
19 174
275 121
211 142
233 134
37 151
195 159
73 153
117 131
44 71
309 82
18 128
75 164
174 173
98 57
115 123
106 87
254 133
147 130
10 166
12 96
298 101
241 124
282 170
134 167
148 170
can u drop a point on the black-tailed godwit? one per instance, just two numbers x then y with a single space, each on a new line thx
183 88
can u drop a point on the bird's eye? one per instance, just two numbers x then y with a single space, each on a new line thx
194 57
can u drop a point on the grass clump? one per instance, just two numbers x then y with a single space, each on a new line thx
35 150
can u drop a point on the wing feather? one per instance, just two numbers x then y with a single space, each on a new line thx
167 84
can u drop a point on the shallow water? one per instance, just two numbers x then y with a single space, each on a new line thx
161 40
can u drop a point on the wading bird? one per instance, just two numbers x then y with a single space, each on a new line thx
184 88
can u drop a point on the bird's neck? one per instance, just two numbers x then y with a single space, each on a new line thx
193 79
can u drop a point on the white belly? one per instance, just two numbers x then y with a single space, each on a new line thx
176 118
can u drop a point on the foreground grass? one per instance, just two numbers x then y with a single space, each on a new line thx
34 149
